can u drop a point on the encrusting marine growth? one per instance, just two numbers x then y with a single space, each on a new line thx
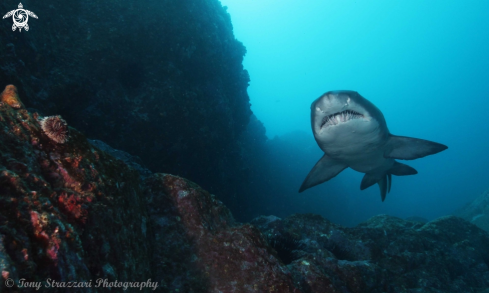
54 127
11 97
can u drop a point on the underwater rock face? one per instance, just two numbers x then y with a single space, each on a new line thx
383 254
68 211
199 247
160 79
130 160
477 212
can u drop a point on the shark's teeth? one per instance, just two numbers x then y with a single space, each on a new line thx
339 117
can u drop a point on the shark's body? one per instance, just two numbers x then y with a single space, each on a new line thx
353 133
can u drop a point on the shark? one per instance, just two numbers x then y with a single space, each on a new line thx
352 132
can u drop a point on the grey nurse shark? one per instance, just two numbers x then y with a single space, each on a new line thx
353 133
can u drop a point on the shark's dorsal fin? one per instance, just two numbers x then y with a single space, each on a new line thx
408 148
325 169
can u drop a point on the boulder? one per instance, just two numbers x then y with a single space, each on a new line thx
477 211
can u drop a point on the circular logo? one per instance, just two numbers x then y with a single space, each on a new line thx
9 282
20 17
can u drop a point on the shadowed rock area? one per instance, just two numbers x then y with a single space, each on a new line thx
72 212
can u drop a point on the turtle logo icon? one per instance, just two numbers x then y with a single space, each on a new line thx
20 17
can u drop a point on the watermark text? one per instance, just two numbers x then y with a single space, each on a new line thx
98 283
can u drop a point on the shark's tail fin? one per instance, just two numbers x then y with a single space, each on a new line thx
385 179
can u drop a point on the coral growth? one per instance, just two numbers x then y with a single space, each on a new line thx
55 128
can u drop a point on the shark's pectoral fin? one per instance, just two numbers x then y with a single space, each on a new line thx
325 169
408 148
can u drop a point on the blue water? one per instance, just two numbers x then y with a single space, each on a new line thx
424 64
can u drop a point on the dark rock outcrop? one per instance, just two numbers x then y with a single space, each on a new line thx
160 79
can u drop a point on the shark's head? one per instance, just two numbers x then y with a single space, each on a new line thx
346 117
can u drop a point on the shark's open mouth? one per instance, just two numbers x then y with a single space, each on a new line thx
336 118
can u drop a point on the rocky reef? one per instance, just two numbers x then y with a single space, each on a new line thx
383 254
160 79
72 212
477 211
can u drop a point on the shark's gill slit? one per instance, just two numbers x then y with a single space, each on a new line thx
343 116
